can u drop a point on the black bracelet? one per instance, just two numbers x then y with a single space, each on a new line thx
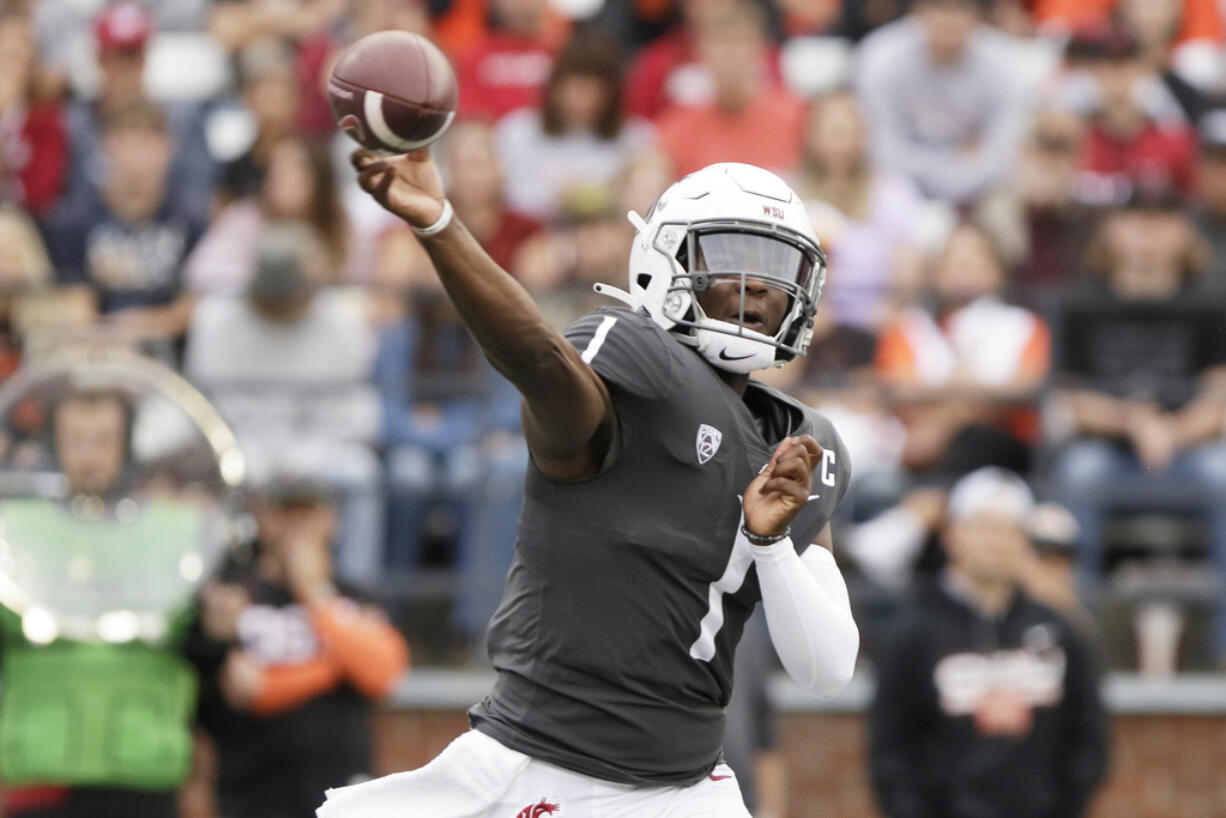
758 539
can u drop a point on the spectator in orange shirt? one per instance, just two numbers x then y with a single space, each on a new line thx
1197 19
751 118
964 372
291 662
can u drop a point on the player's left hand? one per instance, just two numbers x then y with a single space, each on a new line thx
779 492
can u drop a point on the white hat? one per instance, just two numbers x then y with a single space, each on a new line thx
991 489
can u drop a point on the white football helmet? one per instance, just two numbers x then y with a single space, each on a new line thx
726 221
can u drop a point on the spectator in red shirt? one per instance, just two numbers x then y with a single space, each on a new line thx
507 66
750 119
33 144
670 71
1124 142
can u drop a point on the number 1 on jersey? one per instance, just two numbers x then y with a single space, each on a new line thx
730 582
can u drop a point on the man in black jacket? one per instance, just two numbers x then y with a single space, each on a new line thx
987 703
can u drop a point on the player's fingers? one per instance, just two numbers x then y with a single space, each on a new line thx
375 179
811 446
786 488
369 171
361 157
419 155
795 468
777 454
384 184
755 485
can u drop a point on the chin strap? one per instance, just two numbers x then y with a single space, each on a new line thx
617 293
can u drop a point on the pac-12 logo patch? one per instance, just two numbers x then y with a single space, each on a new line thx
542 807
708 442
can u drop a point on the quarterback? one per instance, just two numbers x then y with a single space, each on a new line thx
667 494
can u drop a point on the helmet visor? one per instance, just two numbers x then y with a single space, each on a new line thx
753 254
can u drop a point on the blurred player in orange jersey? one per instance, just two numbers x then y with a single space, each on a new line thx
292 661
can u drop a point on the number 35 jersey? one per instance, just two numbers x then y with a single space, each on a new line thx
626 598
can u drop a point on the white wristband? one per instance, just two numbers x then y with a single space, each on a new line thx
440 225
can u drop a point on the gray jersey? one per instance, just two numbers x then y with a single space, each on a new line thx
626 598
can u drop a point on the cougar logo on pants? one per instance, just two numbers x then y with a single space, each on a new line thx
542 807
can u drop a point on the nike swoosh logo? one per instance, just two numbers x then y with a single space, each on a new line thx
724 356
715 777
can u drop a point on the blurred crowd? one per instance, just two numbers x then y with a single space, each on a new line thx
1023 201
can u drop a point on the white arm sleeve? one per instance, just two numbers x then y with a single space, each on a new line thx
808 614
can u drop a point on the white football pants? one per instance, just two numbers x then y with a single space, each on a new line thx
477 777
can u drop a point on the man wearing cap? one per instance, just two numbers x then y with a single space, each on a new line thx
291 660
986 705
122 31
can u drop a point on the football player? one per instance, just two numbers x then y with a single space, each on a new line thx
667 494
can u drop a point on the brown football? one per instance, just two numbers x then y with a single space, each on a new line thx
393 92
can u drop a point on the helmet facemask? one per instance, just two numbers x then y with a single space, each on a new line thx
726 222
737 252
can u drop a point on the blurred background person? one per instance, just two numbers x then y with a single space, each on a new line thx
1136 410
1130 138
298 186
33 143
946 105
1058 214
64 754
292 661
1182 42
288 362
728 124
1181 38
125 243
122 31
871 221
577 138
668 69
270 98
505 63
987 702
964 369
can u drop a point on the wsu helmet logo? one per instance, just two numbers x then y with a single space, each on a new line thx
542 807
708 442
